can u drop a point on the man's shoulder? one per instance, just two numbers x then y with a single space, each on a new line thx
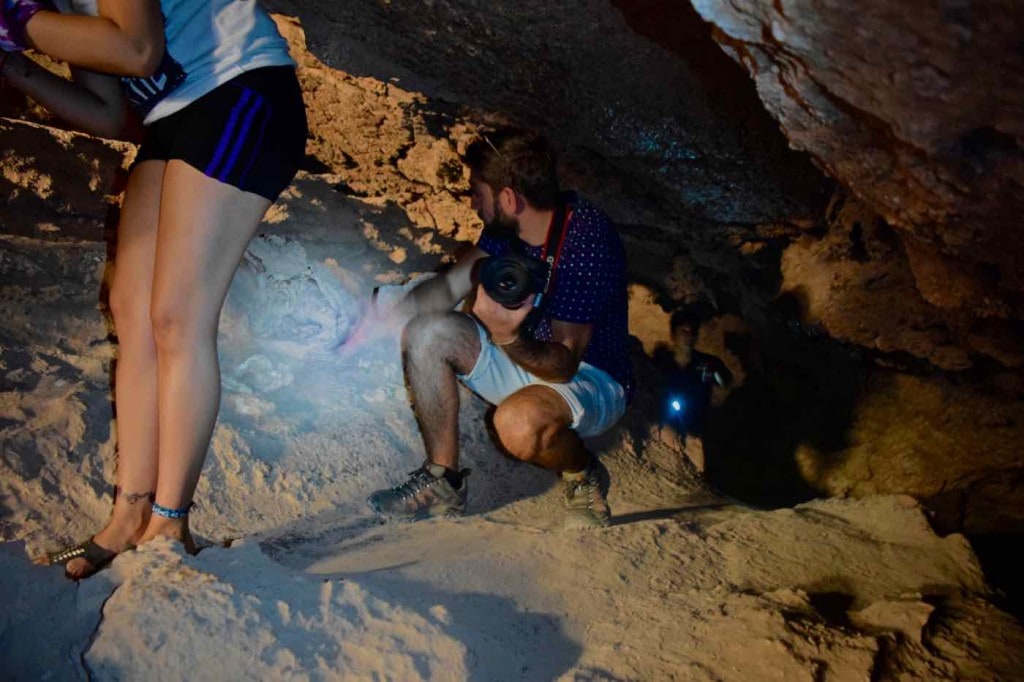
590 221
584 210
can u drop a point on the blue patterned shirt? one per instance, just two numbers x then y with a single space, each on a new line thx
589 287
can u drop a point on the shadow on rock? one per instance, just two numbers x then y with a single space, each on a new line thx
502 641
803 392
48 643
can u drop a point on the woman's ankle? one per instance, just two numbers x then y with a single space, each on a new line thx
125 527
176 529
119 535
131 511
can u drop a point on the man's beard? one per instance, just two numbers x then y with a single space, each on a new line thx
502 227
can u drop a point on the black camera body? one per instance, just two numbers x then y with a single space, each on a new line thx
710 375
511 278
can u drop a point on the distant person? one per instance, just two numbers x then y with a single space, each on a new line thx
688 380
224 133
550 354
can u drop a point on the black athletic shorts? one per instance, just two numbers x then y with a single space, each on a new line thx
249 132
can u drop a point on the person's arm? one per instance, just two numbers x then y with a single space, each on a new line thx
437 294
557 360
127 38
92 102
441 293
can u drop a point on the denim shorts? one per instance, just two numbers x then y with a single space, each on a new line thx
596 400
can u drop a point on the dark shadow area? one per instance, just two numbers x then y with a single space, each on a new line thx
730 91
678 28
997 553
46 623
485 624
670 513
833 607
802 391
798 388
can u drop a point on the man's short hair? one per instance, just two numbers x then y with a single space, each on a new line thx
520 159
684 318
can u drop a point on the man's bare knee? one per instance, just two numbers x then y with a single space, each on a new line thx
422 331
526 422
451 337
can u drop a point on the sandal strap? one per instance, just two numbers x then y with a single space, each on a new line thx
66 555
97 556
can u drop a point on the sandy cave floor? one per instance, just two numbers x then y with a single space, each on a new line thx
685 585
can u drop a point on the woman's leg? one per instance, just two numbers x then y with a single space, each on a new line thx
204 227
135 380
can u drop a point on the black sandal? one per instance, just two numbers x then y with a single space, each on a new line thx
98 558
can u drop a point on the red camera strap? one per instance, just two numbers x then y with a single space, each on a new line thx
557 230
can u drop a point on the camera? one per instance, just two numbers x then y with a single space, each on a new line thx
511 278
710 375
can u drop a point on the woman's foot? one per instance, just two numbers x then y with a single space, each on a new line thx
176 529
122 532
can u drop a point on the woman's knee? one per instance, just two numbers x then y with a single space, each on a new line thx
175 327
129 306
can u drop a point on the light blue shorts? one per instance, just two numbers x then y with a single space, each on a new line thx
596 400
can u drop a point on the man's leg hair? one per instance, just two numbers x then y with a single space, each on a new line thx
436 347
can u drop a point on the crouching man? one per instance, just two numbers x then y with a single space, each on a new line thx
555 366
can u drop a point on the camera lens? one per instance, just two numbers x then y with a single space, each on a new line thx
510 279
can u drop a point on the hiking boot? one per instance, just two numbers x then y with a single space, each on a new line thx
585 503
426 494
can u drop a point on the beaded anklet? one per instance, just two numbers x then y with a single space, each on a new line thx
168 513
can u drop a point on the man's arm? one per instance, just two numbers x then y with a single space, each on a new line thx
441 293
556 360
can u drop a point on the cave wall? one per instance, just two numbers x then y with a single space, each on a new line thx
652 135
916 108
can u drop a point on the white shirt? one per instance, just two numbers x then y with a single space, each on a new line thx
208 42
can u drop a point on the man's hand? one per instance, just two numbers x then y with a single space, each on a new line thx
382 316
502 323
556 360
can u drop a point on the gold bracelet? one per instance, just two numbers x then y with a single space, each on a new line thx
507 343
